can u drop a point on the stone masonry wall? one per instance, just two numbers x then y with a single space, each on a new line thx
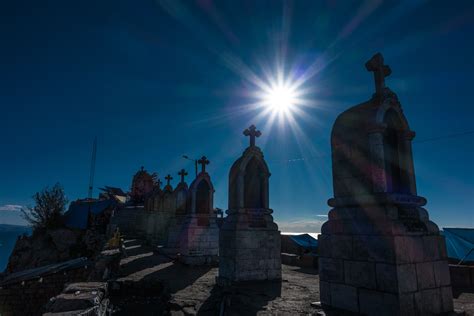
249 255
28 297
375 273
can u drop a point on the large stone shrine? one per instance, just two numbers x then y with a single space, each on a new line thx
379 252
199 233
249 242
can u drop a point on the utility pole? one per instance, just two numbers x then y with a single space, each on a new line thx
92 170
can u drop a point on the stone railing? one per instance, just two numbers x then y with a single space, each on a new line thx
26 292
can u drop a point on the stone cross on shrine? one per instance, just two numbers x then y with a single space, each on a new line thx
203 162
252 132
376 65
168 179
182 173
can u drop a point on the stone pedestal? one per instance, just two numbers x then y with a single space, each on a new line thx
249 248
199 240
388 260
157 225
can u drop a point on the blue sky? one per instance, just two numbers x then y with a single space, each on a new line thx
154 80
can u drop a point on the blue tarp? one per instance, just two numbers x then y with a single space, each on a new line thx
306 241
460 243
78 213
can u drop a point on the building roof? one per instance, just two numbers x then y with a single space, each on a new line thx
78 213
460 243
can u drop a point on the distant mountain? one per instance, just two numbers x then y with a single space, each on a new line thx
8 237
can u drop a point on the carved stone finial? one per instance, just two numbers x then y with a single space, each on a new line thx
252 132
203 162
168 179
376 65
182 173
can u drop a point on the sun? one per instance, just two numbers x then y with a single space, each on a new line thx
280 98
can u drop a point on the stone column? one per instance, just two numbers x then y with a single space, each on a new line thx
406 163
379 179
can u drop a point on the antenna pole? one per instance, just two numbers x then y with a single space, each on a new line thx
92 171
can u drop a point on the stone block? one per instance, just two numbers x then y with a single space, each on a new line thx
425 275
325 245
344 297
441 273
446 299
341 247
387 278
378 303
325 292
360 274
273 274
431 248
407 304
407 278
373 248
408 249
331 269
428 302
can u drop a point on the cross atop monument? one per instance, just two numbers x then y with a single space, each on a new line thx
168 179
203 162
182 173
376 65
252 132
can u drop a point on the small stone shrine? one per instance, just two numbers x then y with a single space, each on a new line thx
199 236
379 252
160 209
249 241
176 227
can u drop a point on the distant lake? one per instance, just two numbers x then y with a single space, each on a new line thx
8 237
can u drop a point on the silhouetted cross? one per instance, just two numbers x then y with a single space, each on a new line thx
203 162
182 173
168 179
252 133
376 65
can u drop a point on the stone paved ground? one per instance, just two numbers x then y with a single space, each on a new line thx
152 284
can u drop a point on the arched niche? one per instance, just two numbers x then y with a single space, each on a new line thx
254 185
167 201
181 197
248 181
201 195
395 154
203 198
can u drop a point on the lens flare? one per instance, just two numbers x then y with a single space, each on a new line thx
280 98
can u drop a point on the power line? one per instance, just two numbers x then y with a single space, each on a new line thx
426 140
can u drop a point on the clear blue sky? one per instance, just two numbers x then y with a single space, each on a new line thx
154 80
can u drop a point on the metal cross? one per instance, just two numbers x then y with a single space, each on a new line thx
376 65
168 179
203 162
182 173
252 133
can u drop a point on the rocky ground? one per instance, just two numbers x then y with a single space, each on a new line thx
152 284
52 246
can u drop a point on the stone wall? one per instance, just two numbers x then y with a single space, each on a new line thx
462 276
29 296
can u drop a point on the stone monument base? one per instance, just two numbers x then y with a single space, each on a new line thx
252 254
384 260
199 243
